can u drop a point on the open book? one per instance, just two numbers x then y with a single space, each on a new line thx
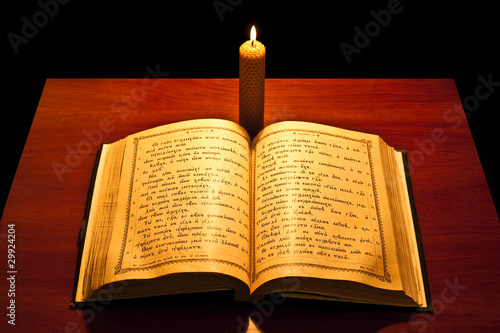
303 209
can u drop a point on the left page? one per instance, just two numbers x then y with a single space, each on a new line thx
183 203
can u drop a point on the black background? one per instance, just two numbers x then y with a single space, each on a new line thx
193 39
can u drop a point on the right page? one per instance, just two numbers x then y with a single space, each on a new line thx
322 206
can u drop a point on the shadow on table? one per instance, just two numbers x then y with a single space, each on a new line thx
218 312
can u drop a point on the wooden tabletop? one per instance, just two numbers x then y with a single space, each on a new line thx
459 225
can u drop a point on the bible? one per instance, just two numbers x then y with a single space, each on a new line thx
303 209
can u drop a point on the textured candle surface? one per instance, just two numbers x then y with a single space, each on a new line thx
252 79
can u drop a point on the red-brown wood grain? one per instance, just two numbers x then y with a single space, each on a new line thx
459 225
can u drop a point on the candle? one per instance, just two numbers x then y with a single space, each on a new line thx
252 78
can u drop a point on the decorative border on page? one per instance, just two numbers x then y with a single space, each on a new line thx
386 277
118 267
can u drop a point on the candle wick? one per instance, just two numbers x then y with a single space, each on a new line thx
253 42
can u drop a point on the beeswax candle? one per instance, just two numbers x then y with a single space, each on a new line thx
251 82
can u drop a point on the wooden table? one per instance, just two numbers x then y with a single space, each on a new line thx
458 221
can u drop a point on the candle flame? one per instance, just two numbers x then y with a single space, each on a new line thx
253 35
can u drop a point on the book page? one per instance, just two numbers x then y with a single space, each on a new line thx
320 206
184 202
